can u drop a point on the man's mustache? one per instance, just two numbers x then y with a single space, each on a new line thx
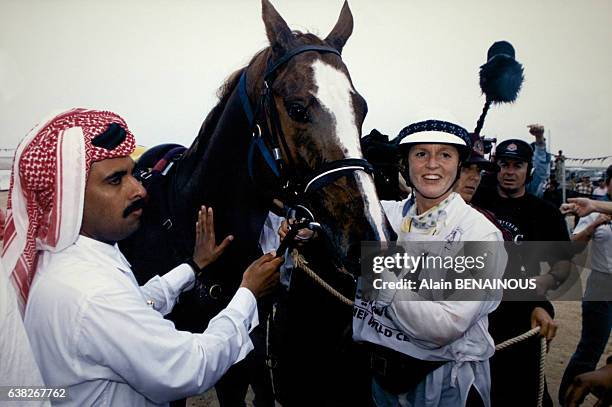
134 206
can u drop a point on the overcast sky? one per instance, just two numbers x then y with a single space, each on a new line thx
159 63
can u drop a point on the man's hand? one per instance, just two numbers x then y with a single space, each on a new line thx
598 382
537 130
262 275
579 206
548 326
206 250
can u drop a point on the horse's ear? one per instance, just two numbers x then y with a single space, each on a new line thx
342 30
278 31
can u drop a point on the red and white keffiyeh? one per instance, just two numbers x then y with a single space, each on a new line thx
47 189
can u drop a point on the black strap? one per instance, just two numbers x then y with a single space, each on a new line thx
277 138
244 98
397 372
305 48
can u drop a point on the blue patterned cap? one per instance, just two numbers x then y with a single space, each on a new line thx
438 132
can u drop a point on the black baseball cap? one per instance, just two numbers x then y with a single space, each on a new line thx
513 148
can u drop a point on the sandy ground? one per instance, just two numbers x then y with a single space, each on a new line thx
562 347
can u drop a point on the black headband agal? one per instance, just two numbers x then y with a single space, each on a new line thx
111 138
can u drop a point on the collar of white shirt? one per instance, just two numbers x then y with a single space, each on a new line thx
104 252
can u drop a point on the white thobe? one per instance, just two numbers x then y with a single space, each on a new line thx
95 331
17 365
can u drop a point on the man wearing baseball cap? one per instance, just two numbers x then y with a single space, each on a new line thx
527 218
93 330
512 204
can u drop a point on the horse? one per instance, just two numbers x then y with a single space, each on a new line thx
287 127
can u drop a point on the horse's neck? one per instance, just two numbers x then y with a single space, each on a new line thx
214 173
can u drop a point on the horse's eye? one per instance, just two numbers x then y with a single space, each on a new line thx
297 112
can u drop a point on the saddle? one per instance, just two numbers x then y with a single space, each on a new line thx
152 169
157 160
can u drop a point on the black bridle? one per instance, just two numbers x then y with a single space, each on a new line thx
270 141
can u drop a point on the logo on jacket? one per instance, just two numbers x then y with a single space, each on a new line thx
452 237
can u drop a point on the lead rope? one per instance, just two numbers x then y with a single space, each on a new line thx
301 263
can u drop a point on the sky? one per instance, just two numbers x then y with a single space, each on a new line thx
160 63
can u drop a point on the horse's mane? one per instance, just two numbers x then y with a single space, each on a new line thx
223 93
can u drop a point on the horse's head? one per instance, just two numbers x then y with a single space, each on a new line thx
315 116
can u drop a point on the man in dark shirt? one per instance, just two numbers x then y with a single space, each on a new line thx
528 219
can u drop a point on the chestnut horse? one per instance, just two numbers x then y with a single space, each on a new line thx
286 127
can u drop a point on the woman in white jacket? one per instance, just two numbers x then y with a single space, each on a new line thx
431 352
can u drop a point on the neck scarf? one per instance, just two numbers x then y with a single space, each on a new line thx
427 222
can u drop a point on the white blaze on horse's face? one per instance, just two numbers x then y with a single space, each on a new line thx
333 91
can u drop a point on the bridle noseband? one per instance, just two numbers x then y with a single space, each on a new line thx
294 187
